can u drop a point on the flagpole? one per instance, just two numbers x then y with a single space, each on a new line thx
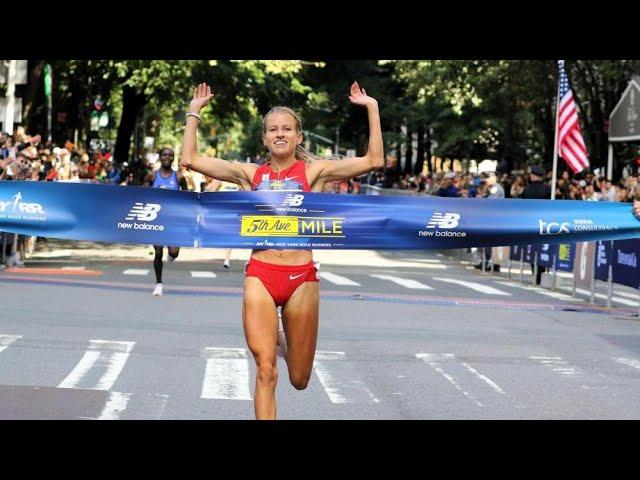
555 147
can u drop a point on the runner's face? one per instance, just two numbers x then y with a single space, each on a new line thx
166 158
281 137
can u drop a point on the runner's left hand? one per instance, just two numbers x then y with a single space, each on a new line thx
358 96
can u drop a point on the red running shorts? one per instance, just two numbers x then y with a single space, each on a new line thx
281 280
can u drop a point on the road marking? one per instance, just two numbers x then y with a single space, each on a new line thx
478 287
557 364
196 274
106 355
632 296
542 291
352 391
603 296
337 279
135 271
74 268
227 374
405 282
116 404
484 378
631 362
52 271
6 340
432 359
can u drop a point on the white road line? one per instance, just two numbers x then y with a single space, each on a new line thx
484 378
603 296
135 271
631 362
6 340
542 291
337 279
106 355
632 296
196 274
424 260
227 374
405 282
478 287
74 268
352 391
430 359
557 364
116 404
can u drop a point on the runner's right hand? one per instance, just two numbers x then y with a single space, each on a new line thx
201 97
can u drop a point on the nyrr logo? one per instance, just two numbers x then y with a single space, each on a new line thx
16 208
448 220
291 200
142 212
553 228
445 222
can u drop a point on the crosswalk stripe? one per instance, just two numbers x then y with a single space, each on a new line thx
632 296
116 404
631 362
340 391
197 274
226 375
337 279
557 364
542 291
405 282
433 360
478 287
135 271
603 296
6 340
106 355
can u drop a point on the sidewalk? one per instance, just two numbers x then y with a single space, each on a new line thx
72 250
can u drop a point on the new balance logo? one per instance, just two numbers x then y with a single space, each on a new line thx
144 212
291 200
448 220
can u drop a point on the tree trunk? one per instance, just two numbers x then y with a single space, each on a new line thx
132 103
29 112
429 153
420 158
409 153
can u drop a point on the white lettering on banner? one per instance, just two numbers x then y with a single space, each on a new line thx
628 259
601 258
553 228
143 213
447 222
292 200
14 207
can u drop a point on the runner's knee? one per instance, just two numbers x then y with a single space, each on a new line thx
267 372
299 380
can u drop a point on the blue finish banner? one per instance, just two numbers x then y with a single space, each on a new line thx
516 251
625 262
296 220
565 256
547 254
603 256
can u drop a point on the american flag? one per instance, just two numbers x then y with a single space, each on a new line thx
570 143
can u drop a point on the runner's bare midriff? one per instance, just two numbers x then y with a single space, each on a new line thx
283 257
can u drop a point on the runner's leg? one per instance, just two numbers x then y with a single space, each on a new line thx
260 321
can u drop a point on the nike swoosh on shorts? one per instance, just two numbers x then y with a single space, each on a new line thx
293 277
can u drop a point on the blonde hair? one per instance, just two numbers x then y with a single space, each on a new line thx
300 153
